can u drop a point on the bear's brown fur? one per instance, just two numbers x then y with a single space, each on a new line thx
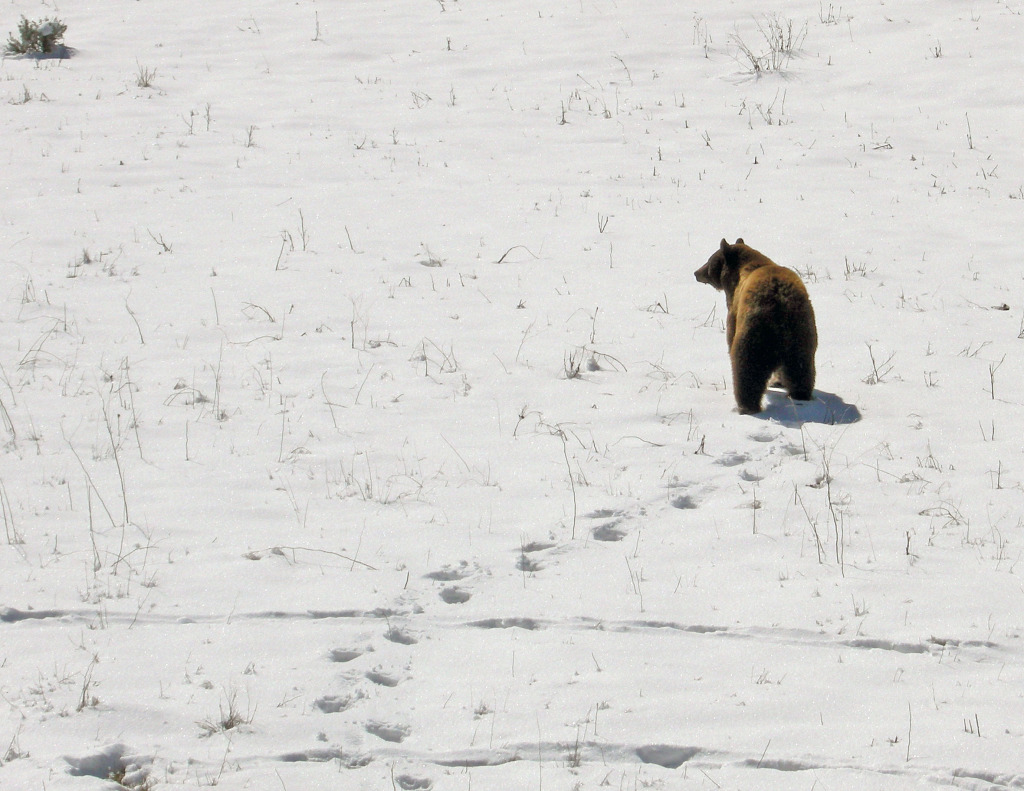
770 325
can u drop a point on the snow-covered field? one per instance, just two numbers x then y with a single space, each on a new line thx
364 426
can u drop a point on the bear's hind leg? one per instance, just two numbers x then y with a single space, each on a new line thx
752 366
798 377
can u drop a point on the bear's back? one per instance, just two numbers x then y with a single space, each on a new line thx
774 297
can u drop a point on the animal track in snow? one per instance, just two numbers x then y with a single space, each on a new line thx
887 645
116 760
764 435
400 636
666 755
751 475
671 756
333 704
780 764
455 595
343 654
322 755
410 783
507 623
467 759
13 615
732 459
389 732
382 678
684 502
452 573
528 564
609 532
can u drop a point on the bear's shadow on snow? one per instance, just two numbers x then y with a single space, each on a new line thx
826 408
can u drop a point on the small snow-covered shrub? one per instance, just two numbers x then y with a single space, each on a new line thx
36 37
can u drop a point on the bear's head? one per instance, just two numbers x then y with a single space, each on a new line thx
722 268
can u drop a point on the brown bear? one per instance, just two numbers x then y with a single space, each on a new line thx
770 325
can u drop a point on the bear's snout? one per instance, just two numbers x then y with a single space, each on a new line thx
702 275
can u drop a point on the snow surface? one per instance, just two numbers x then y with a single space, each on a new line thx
364 426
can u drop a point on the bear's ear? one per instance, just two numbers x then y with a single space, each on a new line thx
739 241
725 246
